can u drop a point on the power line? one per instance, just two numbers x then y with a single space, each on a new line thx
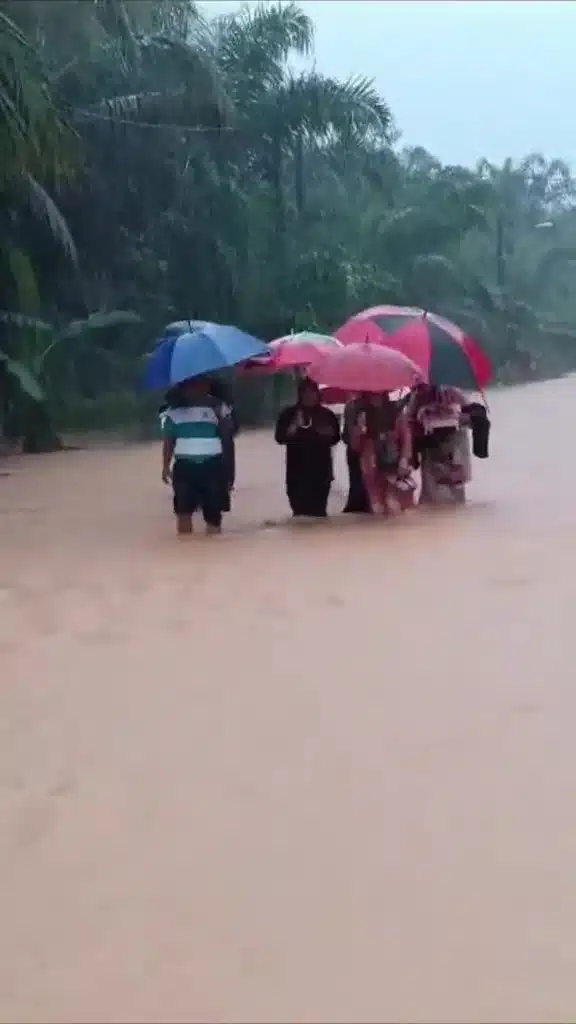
92 116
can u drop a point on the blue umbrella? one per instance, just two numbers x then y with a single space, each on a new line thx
202 348
178 327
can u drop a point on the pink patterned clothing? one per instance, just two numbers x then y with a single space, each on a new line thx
389 493
444 443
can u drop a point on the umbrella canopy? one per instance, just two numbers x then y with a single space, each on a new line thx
177 327
293 351
445 353
206 349
333 396
365 367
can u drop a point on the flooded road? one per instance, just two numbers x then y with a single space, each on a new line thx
291 774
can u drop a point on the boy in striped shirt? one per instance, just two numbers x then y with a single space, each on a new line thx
193 430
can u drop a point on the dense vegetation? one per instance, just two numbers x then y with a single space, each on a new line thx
157 164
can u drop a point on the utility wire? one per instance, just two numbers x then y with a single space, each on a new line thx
92 116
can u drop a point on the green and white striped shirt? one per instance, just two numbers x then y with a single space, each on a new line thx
195 430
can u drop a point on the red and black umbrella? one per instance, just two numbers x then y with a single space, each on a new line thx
444 352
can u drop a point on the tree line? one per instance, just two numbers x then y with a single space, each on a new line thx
160 163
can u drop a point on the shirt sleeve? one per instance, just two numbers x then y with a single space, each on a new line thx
168 426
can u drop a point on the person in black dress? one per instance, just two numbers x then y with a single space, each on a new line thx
309 431
357 501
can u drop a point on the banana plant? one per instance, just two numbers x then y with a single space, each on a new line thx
38 339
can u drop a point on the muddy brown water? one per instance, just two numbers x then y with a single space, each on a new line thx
291 774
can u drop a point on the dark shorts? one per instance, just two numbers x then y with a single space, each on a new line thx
199 486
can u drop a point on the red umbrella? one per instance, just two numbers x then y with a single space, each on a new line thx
365 367
446 354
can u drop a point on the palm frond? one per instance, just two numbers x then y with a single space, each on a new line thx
23 274
115 20
33 136
43 207
26 380
182 87
253 44
325 108
22 322
100 321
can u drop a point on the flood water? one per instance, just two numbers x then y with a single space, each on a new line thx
292 774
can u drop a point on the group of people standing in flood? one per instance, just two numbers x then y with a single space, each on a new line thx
386 441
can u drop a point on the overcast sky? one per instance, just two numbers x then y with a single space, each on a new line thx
464 78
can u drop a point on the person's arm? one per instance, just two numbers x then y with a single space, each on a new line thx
329 427
228 414
405 402
405 438
235 422
287 424
168 445
224 419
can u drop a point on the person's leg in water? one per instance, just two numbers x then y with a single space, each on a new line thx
296 493
184 525
357 502
308 498
297 505
185 500
318 499
213 475
426 497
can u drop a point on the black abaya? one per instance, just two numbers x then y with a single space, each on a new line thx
309 471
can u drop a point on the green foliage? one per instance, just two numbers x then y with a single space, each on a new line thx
162 160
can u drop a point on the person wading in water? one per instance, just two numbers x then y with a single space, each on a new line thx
194 437
308 430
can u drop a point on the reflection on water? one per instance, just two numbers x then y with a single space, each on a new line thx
295 774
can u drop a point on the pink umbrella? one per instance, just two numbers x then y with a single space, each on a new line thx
288 354
365 367
333 396
292 352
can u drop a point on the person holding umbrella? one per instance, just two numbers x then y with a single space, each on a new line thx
379 433
195 429
195 433
381 437
441 443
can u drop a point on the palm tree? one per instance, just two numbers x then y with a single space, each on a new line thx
37 146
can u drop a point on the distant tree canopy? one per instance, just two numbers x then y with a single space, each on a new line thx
160 164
